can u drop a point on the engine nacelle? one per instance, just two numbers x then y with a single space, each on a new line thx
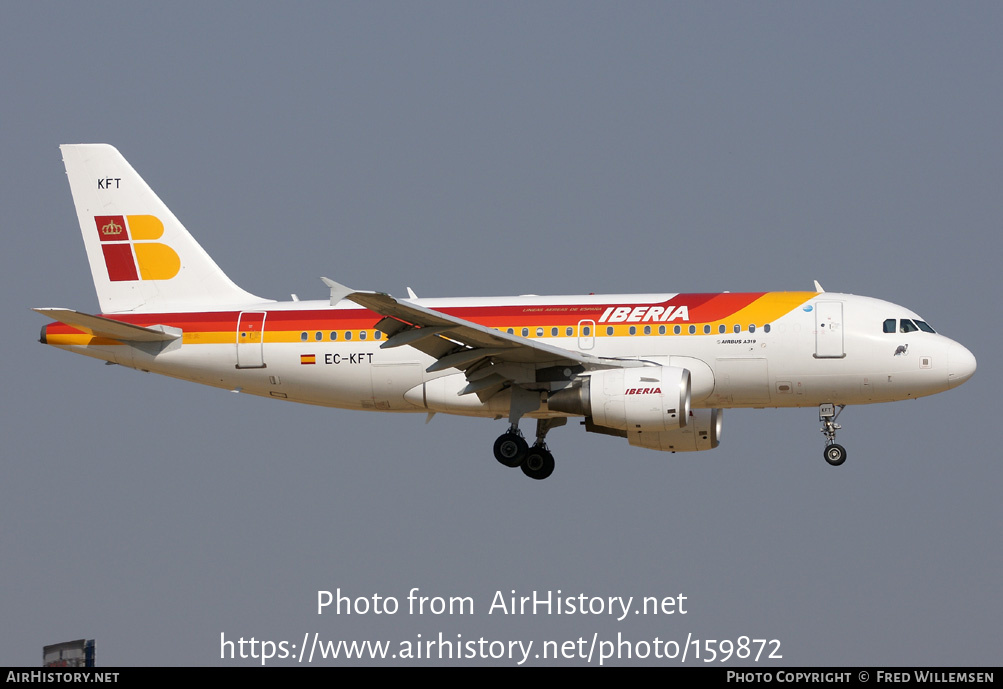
648 398
703 432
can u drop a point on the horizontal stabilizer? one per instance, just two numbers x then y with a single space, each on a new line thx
99 326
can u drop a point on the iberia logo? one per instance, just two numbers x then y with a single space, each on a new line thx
129 252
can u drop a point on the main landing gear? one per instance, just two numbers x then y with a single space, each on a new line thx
512 450
511 447
834 454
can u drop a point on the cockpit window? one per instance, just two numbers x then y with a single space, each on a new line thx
906 325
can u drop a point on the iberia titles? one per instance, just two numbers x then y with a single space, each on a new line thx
645 314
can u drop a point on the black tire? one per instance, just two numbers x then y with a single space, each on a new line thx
510 449
538 464
834 454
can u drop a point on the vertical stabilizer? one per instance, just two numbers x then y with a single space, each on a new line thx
142 258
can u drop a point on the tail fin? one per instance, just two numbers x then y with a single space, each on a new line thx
142 258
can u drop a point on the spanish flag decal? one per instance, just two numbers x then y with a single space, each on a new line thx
308 358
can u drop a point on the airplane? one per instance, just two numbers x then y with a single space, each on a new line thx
656 369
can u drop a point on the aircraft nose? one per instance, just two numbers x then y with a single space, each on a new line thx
960 365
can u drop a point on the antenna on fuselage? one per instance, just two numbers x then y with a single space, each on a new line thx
818 287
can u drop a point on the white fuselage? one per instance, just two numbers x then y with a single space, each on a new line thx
793 361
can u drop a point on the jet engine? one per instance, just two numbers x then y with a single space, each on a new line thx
645 399
703 432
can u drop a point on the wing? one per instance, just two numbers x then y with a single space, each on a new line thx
490 359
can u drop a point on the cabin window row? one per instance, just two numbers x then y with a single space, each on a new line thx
347 335
634 330
569 331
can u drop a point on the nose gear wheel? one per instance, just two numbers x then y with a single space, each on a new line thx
833 453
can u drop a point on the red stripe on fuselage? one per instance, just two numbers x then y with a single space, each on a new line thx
720 306
703 308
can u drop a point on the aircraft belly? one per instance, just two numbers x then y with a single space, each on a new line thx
439 394
325 373
328 376
111 352
391 381
741 382
212 364
908 384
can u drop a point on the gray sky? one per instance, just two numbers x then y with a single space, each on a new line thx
481 149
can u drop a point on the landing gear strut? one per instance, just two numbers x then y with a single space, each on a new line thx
537 462
834 453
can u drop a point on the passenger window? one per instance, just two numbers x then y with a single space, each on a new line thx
348 334
362 335
706 330
378 335
553 332
738 328
647 330
721 328
539 332
525 332
752 327
609 329
661 330
676 330
304 337
318 336
334 336
908 326
570 331
586 331
510 331
633 330
766 328
693 329
889 325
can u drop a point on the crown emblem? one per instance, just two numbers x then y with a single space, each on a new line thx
112 228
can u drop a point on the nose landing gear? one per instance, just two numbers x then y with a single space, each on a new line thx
833 453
